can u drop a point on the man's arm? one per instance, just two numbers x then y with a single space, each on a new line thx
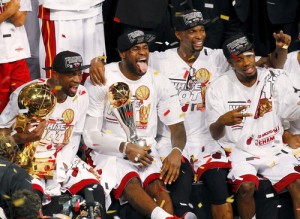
10 9
217 129
171 164
279 55
97 71
18 19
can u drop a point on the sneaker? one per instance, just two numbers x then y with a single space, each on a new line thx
189 215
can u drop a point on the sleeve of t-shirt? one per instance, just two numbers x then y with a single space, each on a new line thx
220 61
8 115
214 105
169 109
25 5
286 100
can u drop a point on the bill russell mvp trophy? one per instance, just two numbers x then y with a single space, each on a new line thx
119 96
36 103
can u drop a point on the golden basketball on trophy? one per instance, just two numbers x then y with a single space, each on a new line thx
35 102
202 75
119 94
142 92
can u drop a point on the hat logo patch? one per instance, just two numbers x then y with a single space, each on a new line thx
192 17
73 62
132 36
237 46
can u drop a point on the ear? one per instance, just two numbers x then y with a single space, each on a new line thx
122 54
55 75
230 62
178 35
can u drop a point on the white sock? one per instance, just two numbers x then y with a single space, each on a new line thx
159 213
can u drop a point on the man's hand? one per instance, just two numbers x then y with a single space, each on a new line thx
97 72
234 117
138 154
171 167
31 133
282 40
293 141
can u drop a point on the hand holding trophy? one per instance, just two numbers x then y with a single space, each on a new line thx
119 96
36 103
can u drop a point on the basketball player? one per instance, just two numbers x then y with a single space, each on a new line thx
244 108
70 25
136 178
59 136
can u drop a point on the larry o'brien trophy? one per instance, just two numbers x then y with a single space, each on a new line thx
119 96
36 103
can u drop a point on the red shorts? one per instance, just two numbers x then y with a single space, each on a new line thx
13 75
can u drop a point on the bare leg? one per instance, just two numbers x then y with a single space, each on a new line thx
294 189
223 211
157 190
138 198
245 200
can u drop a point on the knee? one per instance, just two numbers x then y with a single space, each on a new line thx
246 190
294 187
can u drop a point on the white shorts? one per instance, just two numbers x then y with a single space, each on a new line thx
281 168
78 175
117 172
84 36
203 154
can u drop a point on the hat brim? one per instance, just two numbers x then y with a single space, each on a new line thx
83 67
182 27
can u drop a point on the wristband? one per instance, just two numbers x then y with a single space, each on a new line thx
177 148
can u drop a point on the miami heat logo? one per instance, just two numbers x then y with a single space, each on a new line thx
264 106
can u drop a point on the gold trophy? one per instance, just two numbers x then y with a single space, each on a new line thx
119 96
36 103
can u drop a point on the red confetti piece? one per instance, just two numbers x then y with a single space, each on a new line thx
167 112
129 113
63 35
116 19
82 92
186 74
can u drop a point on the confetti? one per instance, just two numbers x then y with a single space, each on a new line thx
270 195
272 164
2 165
182 115
162 203
173 44
285 46
191 205
167 43
23 111
19 202
57 87
8 145
15 170
199 205
75 98
183 204
156 73
167 112
111 211
186 74
159 43
278 206
230 199
108 131
6 196
224 17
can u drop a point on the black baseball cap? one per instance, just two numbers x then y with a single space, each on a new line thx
236 45
67 61
132 37
189 19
